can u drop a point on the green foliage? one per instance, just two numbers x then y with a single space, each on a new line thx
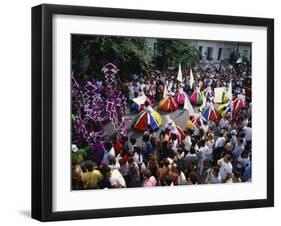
244 58
174 52
80 155
88 52
233 57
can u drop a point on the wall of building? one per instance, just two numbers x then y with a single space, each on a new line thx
226 48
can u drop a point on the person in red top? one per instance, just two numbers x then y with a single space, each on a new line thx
117 145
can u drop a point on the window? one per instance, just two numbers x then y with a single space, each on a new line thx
200 52
209 53
219 53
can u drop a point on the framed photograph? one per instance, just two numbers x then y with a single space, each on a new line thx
146 112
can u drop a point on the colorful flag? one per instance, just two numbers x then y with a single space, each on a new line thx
187 105
208 93
191 79
210 113
138 104
238 103
221 95
229 91
223 109
179 78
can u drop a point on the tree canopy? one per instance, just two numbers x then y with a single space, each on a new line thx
132 54
174 52
89 53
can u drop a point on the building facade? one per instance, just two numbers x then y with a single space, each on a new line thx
217 51
210 50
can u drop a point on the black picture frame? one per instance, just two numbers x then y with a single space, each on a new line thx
42 111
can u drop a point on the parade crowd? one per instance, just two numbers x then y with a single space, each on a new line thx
204 151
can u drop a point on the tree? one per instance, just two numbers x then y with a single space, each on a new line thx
174 52
234 55
89 53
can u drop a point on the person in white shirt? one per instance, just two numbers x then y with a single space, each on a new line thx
109 150
205 127
248 133
244 159
113 164
225 167
219 147
196 129
191 156
138 157
238 149
203 152
174 143
233 138
210 144
213 176
220 142
224 123
187 141
182 179
248 136
115 178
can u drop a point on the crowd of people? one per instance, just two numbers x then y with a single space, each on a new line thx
209 152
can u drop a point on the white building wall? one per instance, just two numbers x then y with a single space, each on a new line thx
226 48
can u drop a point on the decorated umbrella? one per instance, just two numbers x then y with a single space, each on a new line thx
210 113
138 104
172 128
147 119
179 132
238 103
223 109
196 98
180 97
198 119
168 104
208 94
207 82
